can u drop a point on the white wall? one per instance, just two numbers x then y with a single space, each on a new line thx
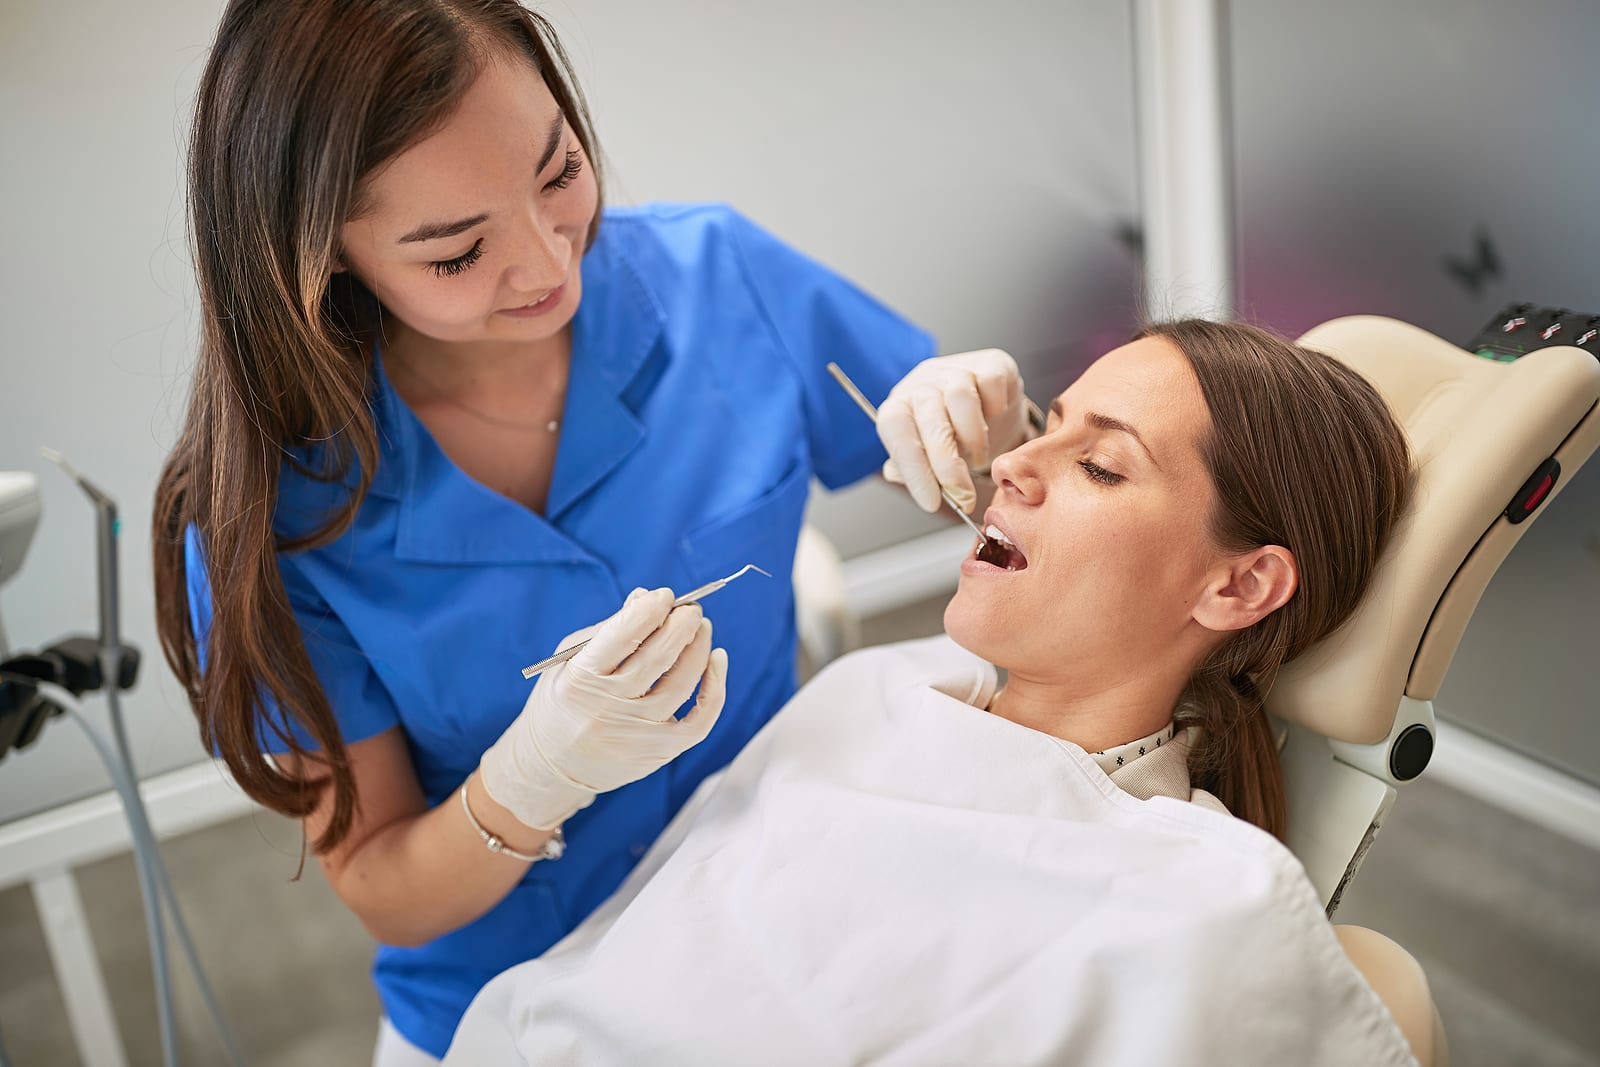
95 330
967 162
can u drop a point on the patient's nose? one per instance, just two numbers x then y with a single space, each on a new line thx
1016 475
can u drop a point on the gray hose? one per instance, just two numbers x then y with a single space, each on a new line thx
154 882
149 889
185 941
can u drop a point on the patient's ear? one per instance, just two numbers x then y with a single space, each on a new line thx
1246 588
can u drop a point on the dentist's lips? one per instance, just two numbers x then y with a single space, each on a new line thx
538 307
999 551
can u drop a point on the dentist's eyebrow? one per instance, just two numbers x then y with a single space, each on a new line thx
551 142
1104 422
432 231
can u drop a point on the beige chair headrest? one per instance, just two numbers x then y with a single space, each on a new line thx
1478 429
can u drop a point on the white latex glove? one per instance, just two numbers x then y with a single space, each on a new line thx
948 415
607 716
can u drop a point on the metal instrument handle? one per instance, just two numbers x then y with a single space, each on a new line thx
693 596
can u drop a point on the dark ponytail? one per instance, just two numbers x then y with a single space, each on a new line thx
1235 756
1306 455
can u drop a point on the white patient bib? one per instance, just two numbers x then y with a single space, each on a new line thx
888 875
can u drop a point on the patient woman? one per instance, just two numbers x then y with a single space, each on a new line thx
918 863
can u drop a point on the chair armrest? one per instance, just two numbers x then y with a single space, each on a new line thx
1397 978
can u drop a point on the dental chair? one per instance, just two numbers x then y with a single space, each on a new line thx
1493 444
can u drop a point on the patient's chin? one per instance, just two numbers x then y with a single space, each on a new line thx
968 629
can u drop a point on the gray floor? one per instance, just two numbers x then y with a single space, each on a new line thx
1502 915
287 961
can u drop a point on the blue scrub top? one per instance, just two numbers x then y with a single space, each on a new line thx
698 410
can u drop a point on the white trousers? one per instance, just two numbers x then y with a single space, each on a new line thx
393 1050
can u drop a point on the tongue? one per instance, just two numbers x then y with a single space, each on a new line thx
996 553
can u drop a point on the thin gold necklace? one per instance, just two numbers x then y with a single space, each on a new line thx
552 425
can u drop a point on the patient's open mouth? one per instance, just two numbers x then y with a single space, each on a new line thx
998 551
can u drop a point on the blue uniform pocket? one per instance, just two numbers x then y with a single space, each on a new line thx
753 618
762 531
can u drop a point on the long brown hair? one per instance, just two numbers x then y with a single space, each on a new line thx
1304 454
300 101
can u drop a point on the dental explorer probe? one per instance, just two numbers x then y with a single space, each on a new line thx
872 413
691 597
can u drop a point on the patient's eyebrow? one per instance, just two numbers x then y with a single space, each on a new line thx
1104 422
432 231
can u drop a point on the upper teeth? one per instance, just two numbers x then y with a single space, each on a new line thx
994 533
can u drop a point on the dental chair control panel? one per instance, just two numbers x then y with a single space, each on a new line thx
1515 331
1522 328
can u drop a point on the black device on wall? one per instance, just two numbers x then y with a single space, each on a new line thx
74 664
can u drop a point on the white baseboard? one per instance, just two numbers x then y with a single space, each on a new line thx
188 798
893 577
1512 782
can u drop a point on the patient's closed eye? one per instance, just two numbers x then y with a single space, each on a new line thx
1100 474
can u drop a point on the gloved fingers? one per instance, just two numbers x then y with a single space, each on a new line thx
965 409
678 683
898 429
1000 392
713 691
643 670
618 637
999 384
943 447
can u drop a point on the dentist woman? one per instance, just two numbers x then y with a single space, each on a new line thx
446 412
